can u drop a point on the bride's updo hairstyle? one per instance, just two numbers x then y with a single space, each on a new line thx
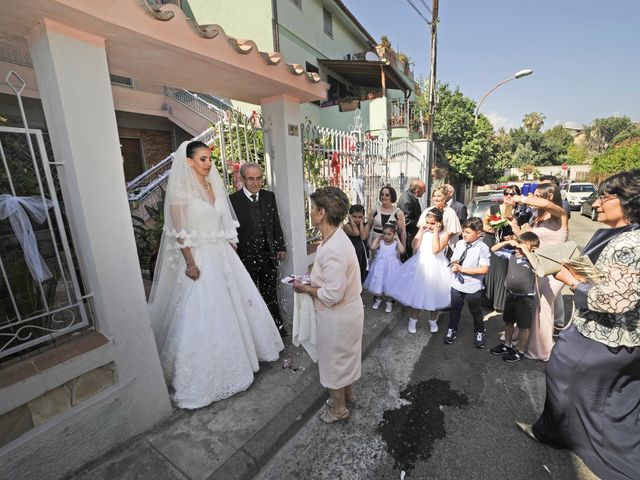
334 201
193 146
625 186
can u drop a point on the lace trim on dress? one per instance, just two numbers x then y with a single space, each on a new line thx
195 238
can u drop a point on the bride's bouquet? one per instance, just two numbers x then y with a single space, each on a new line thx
497 221
500 225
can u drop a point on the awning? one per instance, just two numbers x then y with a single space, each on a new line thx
366 73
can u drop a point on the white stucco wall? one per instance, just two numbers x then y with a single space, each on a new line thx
73 80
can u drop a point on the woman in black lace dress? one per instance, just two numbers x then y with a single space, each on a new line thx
592 405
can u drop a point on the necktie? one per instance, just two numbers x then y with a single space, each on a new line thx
254 198
464 254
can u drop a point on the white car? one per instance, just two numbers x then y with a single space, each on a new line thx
576 193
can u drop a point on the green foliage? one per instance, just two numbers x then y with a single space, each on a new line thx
466 145
617 160
576 155
628 135
148 233
385 42
602 131
531 146
243 142
524 155
533 121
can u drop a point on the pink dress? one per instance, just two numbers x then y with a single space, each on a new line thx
339 311
550 232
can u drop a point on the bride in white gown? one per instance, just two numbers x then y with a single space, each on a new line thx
210 322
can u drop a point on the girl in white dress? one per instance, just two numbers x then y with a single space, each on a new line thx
423 282
385 266
210 322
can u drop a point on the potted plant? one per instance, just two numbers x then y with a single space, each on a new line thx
385 51
349 104
406 63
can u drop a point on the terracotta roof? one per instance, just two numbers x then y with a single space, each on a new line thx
242 46
143 40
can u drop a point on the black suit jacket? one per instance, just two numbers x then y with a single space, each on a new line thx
460 209
273 230
411 208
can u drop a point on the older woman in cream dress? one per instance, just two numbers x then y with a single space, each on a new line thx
335 288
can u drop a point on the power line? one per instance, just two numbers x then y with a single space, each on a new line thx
413 5
427 7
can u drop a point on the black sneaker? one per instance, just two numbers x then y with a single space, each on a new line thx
480 340
450 336
500 349
513 356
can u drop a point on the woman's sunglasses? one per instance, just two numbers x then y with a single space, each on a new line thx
509 194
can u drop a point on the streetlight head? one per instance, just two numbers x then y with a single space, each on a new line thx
523 73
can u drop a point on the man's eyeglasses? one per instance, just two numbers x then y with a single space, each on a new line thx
509 194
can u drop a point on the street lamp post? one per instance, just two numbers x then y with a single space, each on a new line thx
519 74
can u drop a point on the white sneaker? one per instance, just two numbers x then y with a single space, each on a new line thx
389 307
433 326
412 325
376 304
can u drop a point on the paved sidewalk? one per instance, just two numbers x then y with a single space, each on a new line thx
233 438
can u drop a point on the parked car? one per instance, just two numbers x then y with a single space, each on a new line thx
576 193
486 193
587 209
479 205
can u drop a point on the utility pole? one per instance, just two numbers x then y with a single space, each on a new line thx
431 148
432 73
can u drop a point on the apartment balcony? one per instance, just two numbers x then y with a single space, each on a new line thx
403 114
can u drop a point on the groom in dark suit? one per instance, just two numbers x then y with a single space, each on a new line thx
458 207
260 240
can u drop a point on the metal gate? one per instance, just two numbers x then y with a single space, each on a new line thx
41 296
357 163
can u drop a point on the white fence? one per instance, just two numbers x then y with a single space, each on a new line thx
358 164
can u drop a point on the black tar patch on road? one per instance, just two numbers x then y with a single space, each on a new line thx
411 430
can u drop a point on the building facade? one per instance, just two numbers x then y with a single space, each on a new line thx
324 37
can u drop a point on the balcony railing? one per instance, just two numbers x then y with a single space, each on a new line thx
404 114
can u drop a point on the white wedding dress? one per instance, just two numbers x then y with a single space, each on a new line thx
216 329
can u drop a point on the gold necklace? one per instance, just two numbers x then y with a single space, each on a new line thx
207 187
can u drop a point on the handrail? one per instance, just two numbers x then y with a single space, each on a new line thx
144 184
196 104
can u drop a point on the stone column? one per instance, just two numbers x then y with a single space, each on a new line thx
282 118
73 79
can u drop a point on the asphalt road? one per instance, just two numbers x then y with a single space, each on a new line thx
433 411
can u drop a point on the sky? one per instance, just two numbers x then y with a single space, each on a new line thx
584 53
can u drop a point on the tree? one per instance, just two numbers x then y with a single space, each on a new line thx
524 155
466 145
576 155
503 153
602 131
627 136
617 160
533 121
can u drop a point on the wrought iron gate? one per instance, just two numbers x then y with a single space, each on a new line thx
37 304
